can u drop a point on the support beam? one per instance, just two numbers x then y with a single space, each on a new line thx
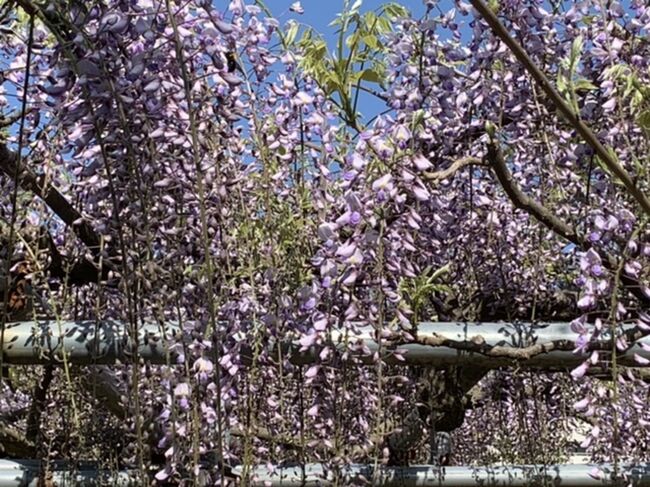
26 473
566 475
485 345
84 342
21 473
547 346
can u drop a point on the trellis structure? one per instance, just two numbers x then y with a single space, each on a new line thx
25 473
547 346
483 345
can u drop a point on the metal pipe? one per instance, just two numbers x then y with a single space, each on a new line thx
89 342
565 475
84 342
465 335
25 473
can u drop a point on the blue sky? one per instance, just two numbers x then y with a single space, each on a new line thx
320 13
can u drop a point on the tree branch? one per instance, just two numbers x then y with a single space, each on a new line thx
38 404
10 119
520 200
497 161
587 134
14 444
453 169
80 272
477 344
52 197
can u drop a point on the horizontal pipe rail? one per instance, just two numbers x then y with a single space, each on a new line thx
105 342
27 473
21 473
83 342
565 475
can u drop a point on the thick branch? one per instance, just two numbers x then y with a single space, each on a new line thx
497 161
453 169
477 344
38 404
14 444
100 381
522 201
52 197
10 119
587 134
80 272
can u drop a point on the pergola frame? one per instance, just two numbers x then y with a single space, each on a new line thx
549 346
485 346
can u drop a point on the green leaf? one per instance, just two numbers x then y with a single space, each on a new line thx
418 119
384 26
306 38
490 129
644 120
337 21
331 82
576 51
372 42
371 76
440 272
395 11
582 84
616 71
292 32
494 6
352 40
561 83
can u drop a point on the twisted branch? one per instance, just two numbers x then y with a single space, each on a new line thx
496 161
81 272
453 169
605 155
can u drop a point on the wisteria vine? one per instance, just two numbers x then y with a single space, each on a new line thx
211 167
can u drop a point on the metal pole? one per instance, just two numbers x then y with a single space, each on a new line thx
106 342
512 335
84 342
566 475
21 473
25 473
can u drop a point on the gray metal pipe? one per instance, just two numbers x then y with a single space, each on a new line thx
511 335
566 475
88 342
25 473
84 342
22 473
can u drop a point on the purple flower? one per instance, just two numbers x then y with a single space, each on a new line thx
302 99
421 163
588 260
312 371
401 135
383 183
580 371
309 304
203 368
297 8
587 301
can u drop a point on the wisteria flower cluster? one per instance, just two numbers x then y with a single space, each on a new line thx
209 166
